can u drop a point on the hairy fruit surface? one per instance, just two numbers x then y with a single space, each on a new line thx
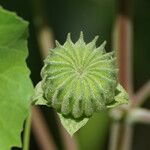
79 79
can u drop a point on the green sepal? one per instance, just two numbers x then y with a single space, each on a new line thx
72 125
38 96
121 97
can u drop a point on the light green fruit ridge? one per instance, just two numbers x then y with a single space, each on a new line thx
79 79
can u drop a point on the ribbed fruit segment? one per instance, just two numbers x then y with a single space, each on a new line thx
79 79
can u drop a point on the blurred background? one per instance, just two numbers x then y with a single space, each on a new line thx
93 17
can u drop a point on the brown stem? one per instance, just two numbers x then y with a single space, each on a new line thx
122 42
45 40
142 95
127 138
140 115
124 53
115 129
41 131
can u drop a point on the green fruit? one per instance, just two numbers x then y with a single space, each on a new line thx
79 79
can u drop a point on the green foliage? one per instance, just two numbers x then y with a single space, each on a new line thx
78 80
15 85
97 130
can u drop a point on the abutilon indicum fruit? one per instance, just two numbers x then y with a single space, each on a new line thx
79 79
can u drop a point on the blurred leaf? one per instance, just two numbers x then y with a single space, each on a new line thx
15 85
93 135
72 125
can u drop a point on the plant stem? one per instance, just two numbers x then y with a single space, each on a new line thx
115 128
26 137
141 95
122 42
41 131
127 138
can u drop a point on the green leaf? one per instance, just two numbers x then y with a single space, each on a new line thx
15 85
121 97
72 125
97 129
